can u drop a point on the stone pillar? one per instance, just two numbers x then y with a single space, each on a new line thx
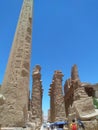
75 81
68 97
57 99
52 102
70 85
15 87
74 73
37 93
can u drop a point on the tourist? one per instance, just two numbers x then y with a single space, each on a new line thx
73 125
81 125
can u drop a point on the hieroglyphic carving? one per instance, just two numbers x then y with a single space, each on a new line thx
16 81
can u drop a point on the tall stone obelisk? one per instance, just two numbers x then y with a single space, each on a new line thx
15 87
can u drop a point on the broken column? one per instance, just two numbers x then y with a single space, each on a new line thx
56 97
37 93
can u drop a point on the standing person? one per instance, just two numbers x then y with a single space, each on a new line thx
81 125
73 125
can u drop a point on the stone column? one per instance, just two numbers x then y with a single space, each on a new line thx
70 85
37 93
74 73
57 99
52 102
75 81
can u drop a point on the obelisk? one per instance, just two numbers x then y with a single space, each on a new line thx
15 87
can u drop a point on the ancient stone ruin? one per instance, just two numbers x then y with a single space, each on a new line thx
57 107
18 109
37 93
70 85
78 104
15 87
78 100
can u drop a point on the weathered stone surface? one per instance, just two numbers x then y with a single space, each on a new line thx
76 93
95 87
70 85
79 93
85 109
74 73
31 125
57 107
37 93
82 106
15 87
2 99
91 125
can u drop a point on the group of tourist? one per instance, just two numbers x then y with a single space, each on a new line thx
74 125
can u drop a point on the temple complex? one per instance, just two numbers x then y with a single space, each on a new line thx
37 93
57 107
78 100
19 109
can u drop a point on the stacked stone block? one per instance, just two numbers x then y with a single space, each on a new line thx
57 106
37 93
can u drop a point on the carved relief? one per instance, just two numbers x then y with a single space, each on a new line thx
17 73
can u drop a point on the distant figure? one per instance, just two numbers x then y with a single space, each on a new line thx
81 125
73 125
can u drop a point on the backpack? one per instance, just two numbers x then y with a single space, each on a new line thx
73 126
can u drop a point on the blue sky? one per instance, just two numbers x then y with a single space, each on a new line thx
65 32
